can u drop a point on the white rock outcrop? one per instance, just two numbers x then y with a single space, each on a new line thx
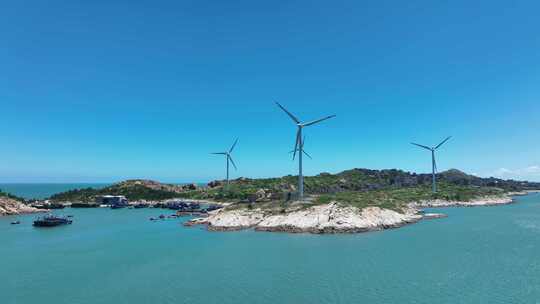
329 218
10 206
332 218
233 219
484 201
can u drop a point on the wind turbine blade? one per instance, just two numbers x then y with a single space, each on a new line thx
297 143
234 145
219 153
318 120
422 146
443 142
232 162
296 120
307 154
435 164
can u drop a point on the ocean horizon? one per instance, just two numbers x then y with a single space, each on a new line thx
44 190
256 152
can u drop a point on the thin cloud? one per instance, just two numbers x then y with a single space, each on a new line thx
530 172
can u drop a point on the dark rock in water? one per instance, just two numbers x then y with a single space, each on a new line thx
15 223
56 206
84 205
118 206
194 206
176 205
160 205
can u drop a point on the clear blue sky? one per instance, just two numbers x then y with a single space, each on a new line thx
96 91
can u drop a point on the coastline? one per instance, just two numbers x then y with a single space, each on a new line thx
10 206
328 218
335 218
483 201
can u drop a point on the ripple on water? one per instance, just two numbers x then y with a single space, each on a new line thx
476 255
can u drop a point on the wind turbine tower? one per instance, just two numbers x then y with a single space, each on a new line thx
228 158
299 145
433 162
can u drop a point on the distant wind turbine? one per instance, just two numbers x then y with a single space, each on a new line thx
228 157
433 162
299 145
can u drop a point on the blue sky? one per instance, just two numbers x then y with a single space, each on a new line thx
98 91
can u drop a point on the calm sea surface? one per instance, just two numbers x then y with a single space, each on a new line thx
476 255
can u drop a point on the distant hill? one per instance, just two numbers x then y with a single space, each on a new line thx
355 180
132 189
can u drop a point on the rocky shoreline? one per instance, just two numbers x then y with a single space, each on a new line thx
484 201
329 218
9 206
332 217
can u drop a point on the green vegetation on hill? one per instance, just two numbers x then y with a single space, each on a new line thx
11 196
357 186
132 192
397 198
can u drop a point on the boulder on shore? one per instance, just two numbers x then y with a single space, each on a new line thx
9 206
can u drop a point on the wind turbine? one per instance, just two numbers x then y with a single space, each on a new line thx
299 145
433 162
228 158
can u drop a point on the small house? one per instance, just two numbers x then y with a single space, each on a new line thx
113 200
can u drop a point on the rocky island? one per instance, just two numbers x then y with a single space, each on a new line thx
362 200
349 215
12 205
355 200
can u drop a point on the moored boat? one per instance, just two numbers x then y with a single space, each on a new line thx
51 221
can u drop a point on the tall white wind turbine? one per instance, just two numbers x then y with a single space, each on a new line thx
433 162
228 158
299 145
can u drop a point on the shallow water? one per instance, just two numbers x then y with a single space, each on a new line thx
476 255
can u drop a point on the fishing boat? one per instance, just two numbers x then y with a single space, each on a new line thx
51 221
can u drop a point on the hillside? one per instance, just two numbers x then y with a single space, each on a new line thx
395 184
131 189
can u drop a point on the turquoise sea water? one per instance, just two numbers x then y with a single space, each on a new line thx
44 190
476 255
